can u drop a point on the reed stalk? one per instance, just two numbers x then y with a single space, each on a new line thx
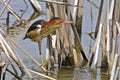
13 74
118 28
104 65
114 46
4 72
108 33
99 18
78 40
91 2
36 6
3 9
113 33
2 69
117 74
7 54
38 73
60 3
98 43
12 11
26 53
74 10
114 67
94 53
111 10
49 48
23 66
16 58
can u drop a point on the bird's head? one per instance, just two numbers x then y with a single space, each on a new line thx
59 21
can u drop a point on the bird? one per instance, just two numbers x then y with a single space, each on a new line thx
41 29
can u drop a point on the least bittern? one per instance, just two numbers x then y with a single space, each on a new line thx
41 29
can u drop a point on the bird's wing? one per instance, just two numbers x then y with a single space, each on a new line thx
47 30
33 33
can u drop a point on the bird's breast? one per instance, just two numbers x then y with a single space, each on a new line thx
34 35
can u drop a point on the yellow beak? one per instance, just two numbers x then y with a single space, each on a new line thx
67 22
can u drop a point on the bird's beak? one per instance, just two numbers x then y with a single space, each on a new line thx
67 22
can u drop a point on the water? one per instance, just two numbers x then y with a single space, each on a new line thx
32 49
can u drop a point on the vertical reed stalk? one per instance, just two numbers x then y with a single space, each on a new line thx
94 53
118 28
98 44
49 49
114 46
104 64
99 18
2 66
113 33
108 33
114 67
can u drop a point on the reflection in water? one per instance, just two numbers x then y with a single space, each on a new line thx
81 74
73 74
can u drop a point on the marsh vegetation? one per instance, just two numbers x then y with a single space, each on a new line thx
87 49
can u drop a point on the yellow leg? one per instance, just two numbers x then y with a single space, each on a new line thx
39 45
41 58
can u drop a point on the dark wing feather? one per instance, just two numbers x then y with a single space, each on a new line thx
33 27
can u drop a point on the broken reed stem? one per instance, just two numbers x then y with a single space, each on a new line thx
26 53
3 9
24 67
15 58
11 53
38 73
7 54
14 74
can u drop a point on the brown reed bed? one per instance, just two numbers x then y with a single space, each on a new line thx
106 35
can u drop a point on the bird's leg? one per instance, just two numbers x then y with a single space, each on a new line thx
39 46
